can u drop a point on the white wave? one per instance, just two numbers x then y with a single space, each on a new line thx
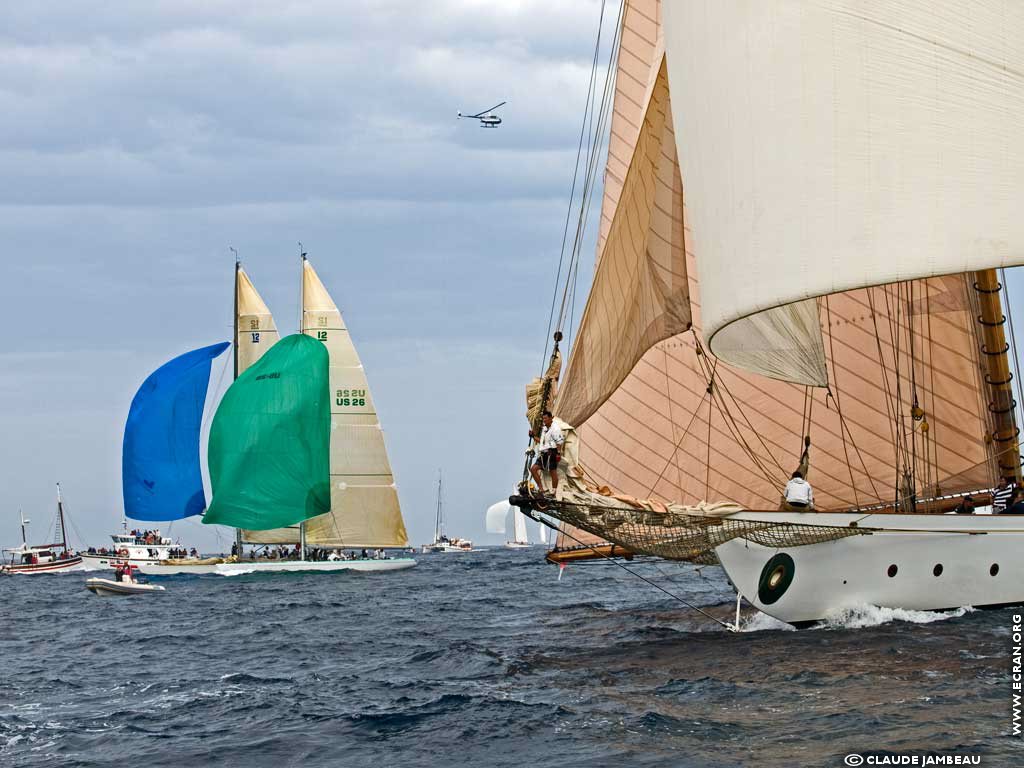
864 615
240 572
760 622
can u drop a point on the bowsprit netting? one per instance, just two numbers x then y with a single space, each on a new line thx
675 532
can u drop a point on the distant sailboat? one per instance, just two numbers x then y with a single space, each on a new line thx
441 542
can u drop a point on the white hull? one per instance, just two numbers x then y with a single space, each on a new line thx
108 588
977 559
102 562
431 548
517 545
55 566
277 566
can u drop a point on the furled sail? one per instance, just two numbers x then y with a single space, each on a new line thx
640 293
270 440
364 501
832 146
160 473
904 372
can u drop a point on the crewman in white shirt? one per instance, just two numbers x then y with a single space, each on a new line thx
799 495
547 452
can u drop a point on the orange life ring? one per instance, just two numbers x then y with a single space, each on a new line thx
122 552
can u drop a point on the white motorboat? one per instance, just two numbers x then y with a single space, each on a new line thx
142 548
123 583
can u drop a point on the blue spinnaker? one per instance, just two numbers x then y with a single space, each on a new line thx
160 471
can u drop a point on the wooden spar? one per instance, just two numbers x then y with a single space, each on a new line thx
584 552
996 366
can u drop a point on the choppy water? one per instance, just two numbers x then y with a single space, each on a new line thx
481 659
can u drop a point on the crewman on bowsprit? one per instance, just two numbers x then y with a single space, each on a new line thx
799 496
547 452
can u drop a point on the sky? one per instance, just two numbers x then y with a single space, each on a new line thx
141 140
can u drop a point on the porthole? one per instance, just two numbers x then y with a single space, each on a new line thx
937 570
892 570
776 576
994 569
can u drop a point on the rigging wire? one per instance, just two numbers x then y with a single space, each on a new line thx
576 170
730 627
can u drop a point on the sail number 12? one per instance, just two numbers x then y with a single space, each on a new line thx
351 397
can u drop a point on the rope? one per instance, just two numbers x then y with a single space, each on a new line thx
676 597
575 175
835 399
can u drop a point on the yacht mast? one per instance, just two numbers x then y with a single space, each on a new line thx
438 523
234 349
24 522
60 517
996 368
302 323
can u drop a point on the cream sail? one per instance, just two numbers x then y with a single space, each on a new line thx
847 292
365 511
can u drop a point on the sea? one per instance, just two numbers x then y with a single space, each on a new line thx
489 658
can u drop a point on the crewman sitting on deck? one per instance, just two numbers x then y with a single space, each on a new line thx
1002 495
1015 505
966 506
799 495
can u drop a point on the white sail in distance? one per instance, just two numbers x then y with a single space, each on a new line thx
519 528
365 511
830 146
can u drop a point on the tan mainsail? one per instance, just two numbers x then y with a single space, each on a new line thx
831 146
256 333
364 501
640 293
901 362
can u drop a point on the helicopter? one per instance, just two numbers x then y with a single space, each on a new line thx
487 120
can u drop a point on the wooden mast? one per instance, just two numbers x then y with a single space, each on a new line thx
996 368
60 516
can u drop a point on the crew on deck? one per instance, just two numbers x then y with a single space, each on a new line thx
799 496
966 506
1001 497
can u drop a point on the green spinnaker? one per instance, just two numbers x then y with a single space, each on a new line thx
269 451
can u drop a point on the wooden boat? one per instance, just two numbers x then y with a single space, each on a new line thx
42 558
